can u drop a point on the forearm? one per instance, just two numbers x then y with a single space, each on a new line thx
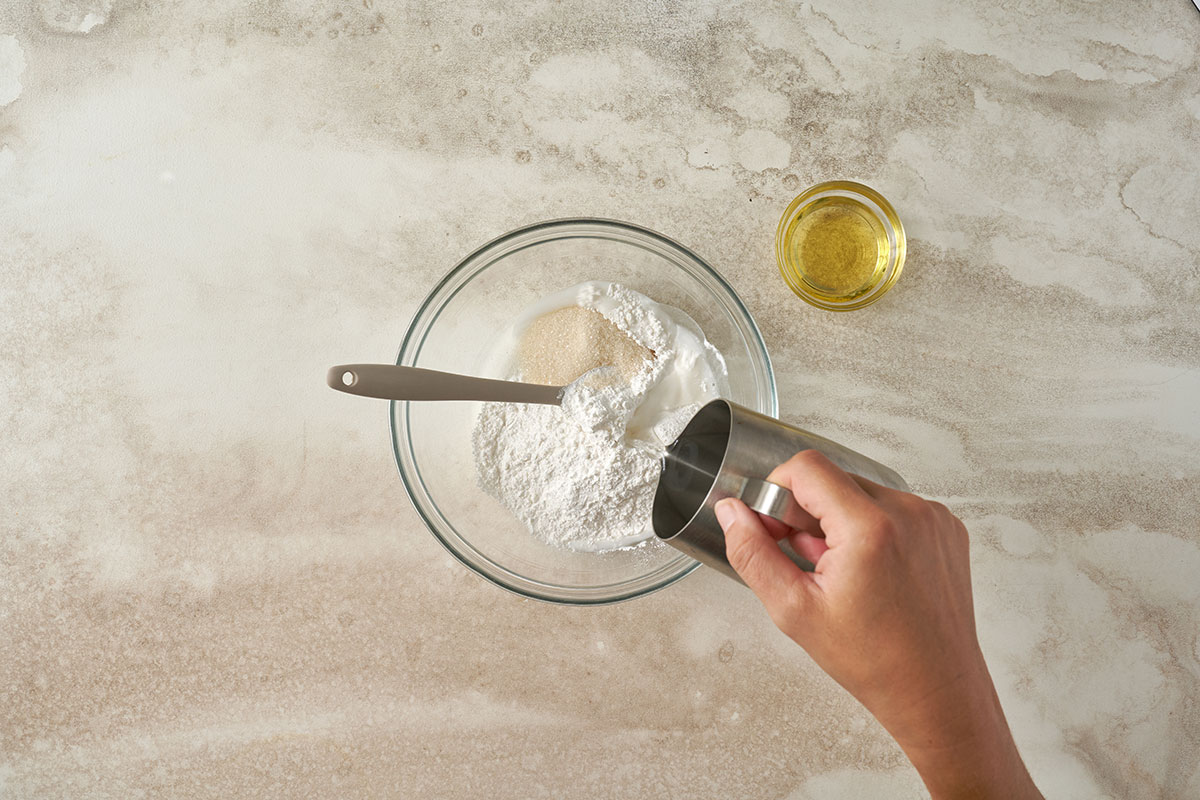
888 614
964 748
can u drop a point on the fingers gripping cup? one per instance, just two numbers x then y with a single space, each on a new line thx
728 450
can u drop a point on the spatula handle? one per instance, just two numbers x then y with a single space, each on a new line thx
392 382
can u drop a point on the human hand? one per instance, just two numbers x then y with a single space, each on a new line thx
888 614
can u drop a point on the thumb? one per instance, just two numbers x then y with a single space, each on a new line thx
754 554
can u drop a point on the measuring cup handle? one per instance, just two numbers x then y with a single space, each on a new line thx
777 502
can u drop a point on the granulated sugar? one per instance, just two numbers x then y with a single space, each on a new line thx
560 346
580 476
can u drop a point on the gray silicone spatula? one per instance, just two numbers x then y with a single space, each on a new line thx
392 382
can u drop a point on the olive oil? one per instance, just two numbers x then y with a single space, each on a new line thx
840 245
836 246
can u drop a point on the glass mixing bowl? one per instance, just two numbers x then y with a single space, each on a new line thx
457 329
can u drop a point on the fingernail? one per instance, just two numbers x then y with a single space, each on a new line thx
726 513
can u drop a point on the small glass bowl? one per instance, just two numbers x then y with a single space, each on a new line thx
875 204
457 329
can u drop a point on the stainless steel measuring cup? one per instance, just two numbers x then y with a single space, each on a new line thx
728 450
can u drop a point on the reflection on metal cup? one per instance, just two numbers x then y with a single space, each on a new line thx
727 450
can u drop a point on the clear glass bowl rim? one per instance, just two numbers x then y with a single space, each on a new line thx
427 314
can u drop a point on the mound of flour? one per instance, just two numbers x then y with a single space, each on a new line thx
575 475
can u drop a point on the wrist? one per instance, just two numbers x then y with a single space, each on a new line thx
960 742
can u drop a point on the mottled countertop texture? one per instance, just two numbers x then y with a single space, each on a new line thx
211 581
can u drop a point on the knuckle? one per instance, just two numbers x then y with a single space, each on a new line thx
809 458
924 513
802 463
881 535
882 524
912 504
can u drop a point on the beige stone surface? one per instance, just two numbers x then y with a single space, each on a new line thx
211 581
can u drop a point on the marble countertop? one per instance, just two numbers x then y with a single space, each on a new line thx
211 581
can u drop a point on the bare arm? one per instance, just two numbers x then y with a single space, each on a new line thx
888 614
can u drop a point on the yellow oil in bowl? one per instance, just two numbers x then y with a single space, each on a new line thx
840 245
